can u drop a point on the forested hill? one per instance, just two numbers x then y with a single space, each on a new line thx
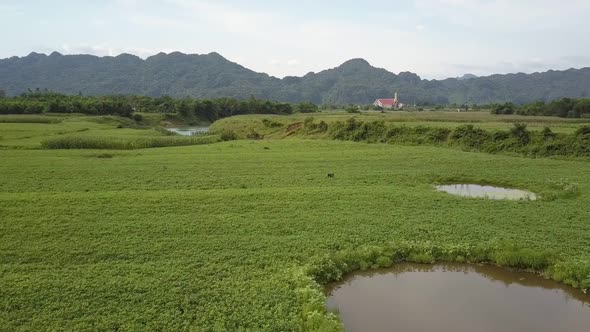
210 76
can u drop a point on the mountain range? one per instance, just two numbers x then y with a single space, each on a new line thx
212 76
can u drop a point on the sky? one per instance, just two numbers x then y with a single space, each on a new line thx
433 38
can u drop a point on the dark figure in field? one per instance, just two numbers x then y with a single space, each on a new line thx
331 175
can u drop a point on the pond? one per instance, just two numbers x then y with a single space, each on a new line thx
189 131
457 297
475 190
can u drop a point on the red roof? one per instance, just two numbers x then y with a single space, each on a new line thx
387 102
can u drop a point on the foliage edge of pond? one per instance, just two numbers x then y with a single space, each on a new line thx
337 265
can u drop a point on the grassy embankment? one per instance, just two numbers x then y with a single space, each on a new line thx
241 235
471 131
245 124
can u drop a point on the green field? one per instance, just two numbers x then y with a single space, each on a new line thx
221 237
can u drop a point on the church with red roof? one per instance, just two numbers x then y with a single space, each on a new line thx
387 103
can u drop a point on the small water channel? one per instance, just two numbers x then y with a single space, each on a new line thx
189 131
457 298
475 190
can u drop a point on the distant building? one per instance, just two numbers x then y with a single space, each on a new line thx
388 103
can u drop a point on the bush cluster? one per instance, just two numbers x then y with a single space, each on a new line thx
125 143
518 139
335 266
564 107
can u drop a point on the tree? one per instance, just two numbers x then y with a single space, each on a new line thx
307 107
582 107
560 107
520 132
506 108
2 94
536 108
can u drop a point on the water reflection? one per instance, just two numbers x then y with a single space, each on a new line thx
189 131
475 190
457 297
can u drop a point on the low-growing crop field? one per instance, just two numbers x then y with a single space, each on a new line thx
242 235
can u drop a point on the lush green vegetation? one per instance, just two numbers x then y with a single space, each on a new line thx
443 119
188 109
29 119
89 132
470 131
565 108
125 143
517 140
243 234
211 76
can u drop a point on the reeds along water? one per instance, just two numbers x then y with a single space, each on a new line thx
125 143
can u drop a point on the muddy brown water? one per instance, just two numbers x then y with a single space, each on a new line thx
457 298
491 192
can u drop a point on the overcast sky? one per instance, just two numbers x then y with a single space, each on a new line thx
433 38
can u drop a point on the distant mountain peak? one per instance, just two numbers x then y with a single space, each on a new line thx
466 77
356 62
35 55
215 54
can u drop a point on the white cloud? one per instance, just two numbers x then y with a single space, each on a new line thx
227 17
108 50
506 14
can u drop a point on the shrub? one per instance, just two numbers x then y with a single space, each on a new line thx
271 124
352 109
308 122
306 107
228 135
522 258
506 108
469 136
424 258
518 139
583 132
547 133
438 135
519 132
253 134
575 273
384 261
137 117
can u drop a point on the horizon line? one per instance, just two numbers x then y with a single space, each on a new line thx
57 53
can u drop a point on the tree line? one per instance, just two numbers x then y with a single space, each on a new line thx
565 108
36 102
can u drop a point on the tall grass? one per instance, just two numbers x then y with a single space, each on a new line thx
28 119
335 266
125 143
